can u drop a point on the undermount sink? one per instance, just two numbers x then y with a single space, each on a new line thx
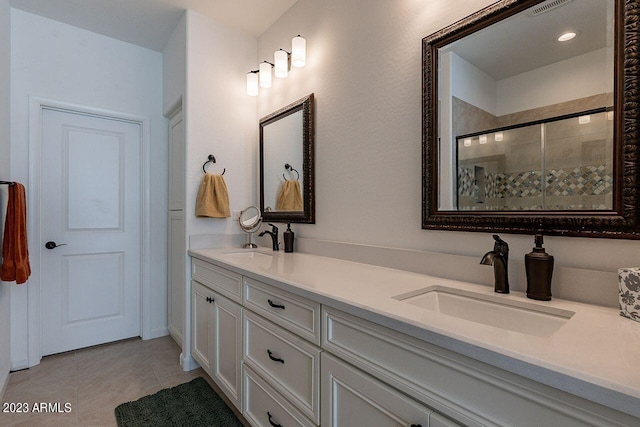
492 310
248 255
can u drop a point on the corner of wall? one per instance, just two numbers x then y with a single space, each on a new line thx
5 151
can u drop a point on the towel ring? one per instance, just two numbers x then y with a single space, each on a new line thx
212 159
288 167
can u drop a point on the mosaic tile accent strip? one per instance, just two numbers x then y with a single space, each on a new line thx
465 182
521 184
585 180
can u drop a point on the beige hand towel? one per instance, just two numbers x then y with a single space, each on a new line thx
213 197
290 198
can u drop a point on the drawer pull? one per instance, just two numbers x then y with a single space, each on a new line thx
275 359
416 425
271 421
272 304
210 300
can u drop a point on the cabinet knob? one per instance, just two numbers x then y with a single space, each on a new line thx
271 421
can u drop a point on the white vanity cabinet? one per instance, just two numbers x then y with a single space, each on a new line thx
287 360
217 339
469 391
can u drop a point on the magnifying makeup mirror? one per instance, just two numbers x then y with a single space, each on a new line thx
250 221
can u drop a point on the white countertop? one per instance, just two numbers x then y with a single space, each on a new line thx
595 355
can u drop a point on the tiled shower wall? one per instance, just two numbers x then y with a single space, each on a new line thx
578 160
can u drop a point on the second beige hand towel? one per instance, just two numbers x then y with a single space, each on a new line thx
290 198
213 197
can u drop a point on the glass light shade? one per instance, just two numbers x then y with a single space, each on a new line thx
609 115
483 139
281 61
467 142
583 120
298 51
265 74
499 136
252 84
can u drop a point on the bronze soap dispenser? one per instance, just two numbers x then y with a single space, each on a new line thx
539 267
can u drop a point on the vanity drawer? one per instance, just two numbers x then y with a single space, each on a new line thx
290 364
294 313
263 404
219 279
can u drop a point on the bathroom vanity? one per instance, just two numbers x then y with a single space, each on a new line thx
299 339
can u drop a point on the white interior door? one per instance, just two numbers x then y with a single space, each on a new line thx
91 208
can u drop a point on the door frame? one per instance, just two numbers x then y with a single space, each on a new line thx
36 107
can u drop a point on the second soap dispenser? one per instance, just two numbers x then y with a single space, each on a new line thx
288 239
539 267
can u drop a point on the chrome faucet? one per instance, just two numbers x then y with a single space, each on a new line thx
274 236
499 259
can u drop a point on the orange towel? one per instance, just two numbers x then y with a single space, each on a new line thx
15 253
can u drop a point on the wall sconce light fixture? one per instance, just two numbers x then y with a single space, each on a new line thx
282 62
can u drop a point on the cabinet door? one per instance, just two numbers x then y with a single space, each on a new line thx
177 153
351 398
201 320
176 270
226 347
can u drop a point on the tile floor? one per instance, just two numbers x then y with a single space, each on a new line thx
94 381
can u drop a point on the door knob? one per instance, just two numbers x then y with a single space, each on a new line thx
53 245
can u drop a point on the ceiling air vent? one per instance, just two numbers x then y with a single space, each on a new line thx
546 7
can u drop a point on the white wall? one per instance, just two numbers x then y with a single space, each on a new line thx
574 78
220 118
364 66
5 153
61 62
473 85
174 67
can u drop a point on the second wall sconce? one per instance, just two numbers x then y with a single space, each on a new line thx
282 62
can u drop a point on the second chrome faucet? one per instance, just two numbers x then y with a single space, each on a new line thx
499 259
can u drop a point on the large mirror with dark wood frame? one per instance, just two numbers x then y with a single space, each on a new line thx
530 120
286 164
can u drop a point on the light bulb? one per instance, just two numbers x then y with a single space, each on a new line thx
566 37
281 61
298 51
265 74
252 83
467 142
483 139
499 136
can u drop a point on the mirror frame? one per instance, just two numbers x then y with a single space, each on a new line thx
623 221
307 216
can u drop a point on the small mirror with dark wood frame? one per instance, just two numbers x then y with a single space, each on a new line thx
286 164
530 120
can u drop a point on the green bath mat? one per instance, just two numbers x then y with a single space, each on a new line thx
192 404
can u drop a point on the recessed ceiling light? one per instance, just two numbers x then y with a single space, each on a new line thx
566 37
